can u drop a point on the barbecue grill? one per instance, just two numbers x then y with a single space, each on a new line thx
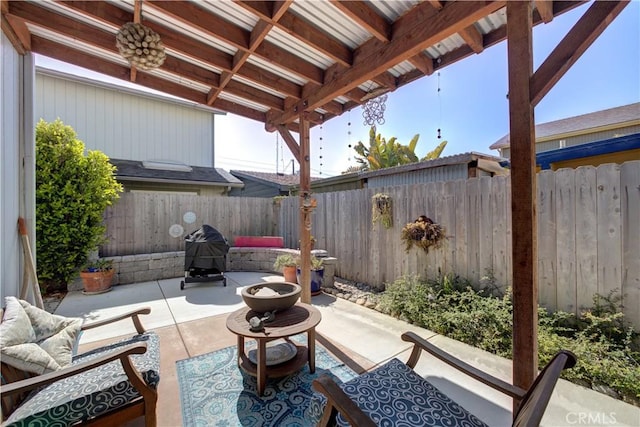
205 256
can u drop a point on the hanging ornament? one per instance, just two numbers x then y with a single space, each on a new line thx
140 45
320 150
440 106
373 110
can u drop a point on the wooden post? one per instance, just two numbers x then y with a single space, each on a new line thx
523 194
305 210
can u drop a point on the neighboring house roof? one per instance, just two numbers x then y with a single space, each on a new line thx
586 123
441 161
484 161
134 170
277 180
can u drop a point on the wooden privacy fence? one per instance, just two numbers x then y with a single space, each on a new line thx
142 223
588 231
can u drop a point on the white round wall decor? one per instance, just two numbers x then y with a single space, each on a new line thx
176 230
189 217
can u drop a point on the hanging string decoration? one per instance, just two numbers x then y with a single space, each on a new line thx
373 110
349 136
320 150
140 45
440 106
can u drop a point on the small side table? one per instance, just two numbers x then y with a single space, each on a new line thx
296 320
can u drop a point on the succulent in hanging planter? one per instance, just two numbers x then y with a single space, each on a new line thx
381 210
423 233
140 45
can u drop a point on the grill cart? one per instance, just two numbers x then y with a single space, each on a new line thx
205 256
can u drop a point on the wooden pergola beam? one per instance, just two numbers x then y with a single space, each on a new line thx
523 195
290 141
573 45
411 36
305 209
361 13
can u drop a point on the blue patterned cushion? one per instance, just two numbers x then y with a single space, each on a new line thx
91 393
394 395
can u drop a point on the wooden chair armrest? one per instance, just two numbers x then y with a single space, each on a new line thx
338 400
420 344
51 377
133 314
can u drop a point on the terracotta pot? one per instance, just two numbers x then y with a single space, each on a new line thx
97 282
289 274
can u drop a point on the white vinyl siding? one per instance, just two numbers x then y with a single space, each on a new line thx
125 125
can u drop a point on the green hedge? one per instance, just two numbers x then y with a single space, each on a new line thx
72 192
607 348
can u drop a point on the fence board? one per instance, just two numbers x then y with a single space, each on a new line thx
630 190
608 225
547 239
566 240
500 255
586 236
485 215
461 201
588 226
473 230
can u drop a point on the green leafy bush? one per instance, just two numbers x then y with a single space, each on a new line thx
606 347
72 193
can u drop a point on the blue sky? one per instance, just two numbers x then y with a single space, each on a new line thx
471 108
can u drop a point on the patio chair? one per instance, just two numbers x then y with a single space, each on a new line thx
394 393
44 383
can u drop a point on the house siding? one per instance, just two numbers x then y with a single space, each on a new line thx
420 176
125 125
17 170
579 139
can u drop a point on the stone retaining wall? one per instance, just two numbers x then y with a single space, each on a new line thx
169 265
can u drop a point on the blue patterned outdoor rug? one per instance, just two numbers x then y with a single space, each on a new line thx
214 391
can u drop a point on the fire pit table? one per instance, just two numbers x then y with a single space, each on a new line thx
295 320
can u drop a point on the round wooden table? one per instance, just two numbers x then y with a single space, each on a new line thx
296 320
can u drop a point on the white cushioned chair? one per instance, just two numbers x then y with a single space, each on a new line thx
44 383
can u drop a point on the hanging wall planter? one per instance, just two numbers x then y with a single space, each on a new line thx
423 233
381 210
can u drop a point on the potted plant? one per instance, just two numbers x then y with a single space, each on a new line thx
97 276
317 274
287 264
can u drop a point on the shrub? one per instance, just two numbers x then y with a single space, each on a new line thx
72 193
606 347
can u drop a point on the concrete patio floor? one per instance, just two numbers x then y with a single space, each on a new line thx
192 322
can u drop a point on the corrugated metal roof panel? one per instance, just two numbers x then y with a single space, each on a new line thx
292 45
194 61
492 22
108 55
392 9
262 63
251 83
66 11
161 18
326 16
402 68
179 80
243 101
231 12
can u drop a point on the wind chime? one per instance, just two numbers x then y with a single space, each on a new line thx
374 107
